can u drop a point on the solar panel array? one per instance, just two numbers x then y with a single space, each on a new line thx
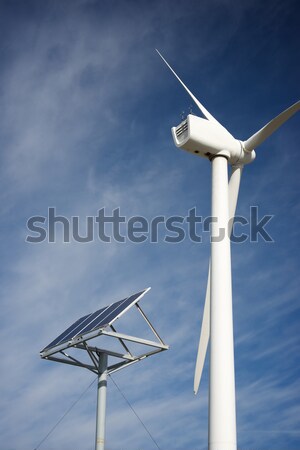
99 319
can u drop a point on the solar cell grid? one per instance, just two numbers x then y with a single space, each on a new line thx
63 335
80 329
98 318
108 318
91 322
76 330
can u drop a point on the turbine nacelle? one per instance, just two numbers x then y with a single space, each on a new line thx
206 138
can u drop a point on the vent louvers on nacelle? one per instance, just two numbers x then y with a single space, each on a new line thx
182 128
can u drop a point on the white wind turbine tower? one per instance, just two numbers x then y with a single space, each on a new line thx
209 139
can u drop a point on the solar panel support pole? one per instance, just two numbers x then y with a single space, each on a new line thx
101 402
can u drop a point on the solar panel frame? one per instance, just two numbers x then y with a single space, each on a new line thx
83 327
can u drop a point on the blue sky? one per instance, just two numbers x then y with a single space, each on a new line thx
86 111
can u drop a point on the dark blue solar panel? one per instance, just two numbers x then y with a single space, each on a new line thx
63 335
74 329
77 330
95 320
99 317
110 317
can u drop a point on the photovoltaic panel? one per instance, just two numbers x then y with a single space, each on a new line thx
90 319
107 320
68 331
80 326
77 328
99 319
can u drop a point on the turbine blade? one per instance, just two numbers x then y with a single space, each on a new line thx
260 136
234 186
233 192
204 337
200 106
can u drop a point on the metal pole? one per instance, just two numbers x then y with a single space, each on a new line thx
222 416
101 402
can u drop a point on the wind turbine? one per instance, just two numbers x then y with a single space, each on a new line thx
206 137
